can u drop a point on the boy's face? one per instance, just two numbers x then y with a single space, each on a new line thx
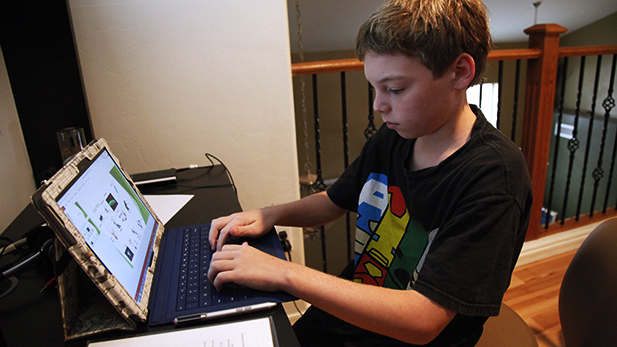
410 100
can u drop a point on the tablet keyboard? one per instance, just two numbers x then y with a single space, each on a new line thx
194 288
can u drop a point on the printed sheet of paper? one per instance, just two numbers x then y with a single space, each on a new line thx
252 333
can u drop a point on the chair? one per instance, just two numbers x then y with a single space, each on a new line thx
507 330
588 296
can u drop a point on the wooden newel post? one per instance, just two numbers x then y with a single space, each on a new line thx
538 120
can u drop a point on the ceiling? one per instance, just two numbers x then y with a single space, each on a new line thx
329 25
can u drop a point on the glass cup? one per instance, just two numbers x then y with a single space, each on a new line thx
71 141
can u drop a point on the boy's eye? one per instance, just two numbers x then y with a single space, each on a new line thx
395 90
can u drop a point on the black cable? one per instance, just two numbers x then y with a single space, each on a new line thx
6 239
21 256
287 248
231 179
212 164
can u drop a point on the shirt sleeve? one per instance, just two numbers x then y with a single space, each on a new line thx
469 264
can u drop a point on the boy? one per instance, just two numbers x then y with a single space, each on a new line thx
442 197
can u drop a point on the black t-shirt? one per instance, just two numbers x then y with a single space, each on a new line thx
452 232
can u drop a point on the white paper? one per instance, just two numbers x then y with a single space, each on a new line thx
251 333
166 206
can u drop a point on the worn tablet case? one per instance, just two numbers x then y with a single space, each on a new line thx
80 304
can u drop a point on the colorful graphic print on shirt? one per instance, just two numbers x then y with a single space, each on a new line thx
390 247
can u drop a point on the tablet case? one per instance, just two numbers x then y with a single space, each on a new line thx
86 311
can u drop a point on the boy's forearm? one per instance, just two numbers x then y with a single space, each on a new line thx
311 211
402 314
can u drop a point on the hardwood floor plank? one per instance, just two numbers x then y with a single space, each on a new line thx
534 295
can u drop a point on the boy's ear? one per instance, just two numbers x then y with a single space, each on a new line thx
464 69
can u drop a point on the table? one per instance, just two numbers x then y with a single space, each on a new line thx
29 317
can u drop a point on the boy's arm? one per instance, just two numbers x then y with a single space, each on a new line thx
313 210
402 314
405 315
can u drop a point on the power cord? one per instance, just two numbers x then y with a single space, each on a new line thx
210 157
285 243
231 179
287 249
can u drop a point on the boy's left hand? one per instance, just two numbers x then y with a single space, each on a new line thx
247 266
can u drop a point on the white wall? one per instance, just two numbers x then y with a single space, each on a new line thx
167 81
16 178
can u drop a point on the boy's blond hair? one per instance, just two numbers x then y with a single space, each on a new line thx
434 31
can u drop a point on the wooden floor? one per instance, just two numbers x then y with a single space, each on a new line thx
534 294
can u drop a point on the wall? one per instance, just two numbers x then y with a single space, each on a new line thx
167 81
16 181
599 33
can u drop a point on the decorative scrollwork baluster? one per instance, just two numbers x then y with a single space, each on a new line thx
370 128
588 146
598 172
608 104
574 143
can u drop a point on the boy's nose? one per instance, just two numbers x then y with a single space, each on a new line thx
379 105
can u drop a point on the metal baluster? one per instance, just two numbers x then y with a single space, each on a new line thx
588 145
608 105
598 172
515 107
346 157
344 114
557 137
319 185
370 128
574 143
480 98
499 89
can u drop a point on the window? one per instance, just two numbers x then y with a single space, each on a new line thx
488 100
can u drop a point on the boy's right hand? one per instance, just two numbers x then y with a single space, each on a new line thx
242 224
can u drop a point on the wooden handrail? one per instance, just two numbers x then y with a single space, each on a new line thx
514 54
586 50
353 64
326 66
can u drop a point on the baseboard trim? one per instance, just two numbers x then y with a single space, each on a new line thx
554 244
